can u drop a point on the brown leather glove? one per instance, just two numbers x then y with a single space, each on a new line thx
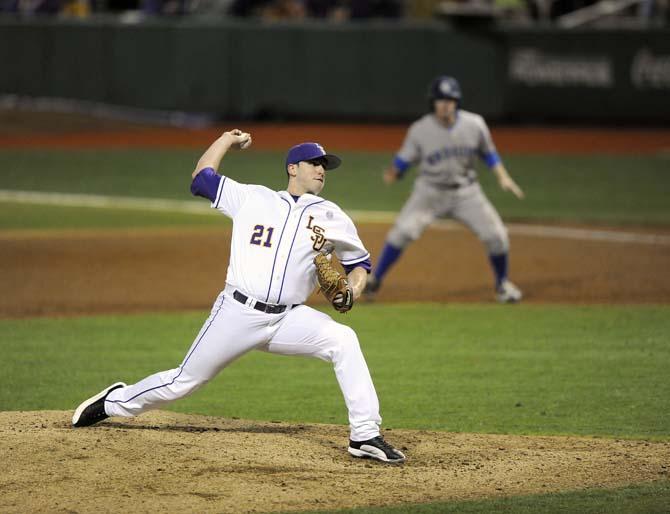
334 285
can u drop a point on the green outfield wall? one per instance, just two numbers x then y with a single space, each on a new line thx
372 71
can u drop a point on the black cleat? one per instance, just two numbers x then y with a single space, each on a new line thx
93 410
376 448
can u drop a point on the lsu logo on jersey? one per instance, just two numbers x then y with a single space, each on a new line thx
319 239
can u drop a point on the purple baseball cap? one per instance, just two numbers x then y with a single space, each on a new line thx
309 151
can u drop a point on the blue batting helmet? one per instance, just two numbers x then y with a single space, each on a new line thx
445 87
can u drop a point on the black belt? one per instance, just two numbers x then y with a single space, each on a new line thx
260 306
455 185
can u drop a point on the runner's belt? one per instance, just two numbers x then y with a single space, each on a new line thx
455 185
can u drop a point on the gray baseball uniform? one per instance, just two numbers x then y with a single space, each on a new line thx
446 185
445 144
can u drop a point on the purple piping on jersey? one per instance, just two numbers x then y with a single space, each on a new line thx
218 198
181 368
289 250
277 250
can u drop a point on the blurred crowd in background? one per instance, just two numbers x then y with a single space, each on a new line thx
644 12
265 9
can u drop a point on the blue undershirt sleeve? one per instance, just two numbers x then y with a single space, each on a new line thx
206 184
491 159
401 165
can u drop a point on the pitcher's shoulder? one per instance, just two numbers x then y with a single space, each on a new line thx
331 211
328 205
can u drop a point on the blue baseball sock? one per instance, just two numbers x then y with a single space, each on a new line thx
499 265
389 255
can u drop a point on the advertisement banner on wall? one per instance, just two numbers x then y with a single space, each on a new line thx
589 75
650 70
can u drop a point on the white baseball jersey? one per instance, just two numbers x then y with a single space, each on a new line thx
275 239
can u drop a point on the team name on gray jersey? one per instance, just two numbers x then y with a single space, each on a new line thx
446 155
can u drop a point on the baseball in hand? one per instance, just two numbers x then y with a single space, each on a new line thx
241 140
246 143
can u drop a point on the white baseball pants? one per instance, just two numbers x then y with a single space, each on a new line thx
234 329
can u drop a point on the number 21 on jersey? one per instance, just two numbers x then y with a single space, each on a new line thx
257 236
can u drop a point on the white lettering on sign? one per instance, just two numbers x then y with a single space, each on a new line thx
649 71
535 68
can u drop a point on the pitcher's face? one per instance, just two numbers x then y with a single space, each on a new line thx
310 176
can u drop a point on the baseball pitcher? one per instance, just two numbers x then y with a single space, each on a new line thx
445 144
281 246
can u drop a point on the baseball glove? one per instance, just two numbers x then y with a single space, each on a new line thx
334 285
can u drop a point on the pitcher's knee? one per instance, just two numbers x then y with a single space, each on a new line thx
346 340
185 384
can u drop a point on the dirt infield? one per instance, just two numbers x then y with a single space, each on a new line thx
83 272
540 140
166 462
44 271
49 130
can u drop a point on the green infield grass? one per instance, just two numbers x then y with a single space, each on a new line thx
651 498
22 216
471 368
600 189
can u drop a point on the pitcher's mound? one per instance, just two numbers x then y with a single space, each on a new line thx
168 462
